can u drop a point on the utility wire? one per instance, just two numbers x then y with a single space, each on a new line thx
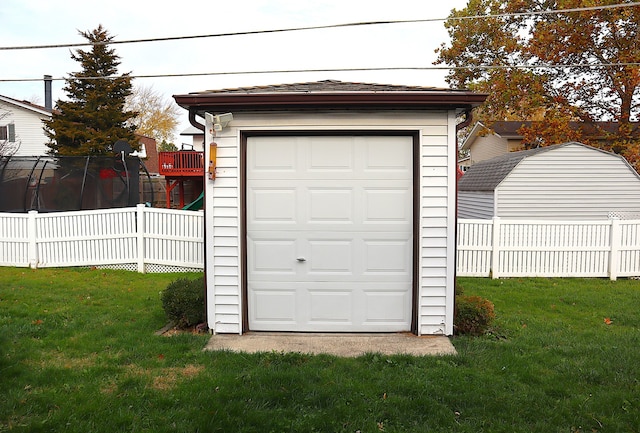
288 71
321 27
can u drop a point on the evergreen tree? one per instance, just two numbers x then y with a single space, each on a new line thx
94 117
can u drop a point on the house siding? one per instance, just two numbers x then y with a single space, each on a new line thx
436 213
488 147
29 129
475 204
572 182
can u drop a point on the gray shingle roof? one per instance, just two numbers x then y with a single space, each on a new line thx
326 86
487 175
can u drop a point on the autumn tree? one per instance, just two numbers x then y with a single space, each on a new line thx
565 72
94 116
157 117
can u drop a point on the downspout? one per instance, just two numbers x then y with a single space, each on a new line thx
468 118
193 121
201 127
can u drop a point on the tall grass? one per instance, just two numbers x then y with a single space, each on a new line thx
78 354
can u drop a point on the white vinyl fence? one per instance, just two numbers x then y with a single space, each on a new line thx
166 240
518 248
141 238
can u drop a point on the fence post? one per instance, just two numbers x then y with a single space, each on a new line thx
614 254
140 230
32 232
495 248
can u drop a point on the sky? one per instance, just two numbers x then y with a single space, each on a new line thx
44 22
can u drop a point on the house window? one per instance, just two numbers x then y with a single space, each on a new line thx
8 132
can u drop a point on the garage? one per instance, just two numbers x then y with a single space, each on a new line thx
330 206
329 233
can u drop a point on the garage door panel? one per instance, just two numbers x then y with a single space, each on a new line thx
330 306
330 204
272 205
383 154
272 256
330 235
330 156
387 205
331 257
387 306
387 257
274 306
275 155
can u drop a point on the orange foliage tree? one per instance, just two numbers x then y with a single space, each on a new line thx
573 75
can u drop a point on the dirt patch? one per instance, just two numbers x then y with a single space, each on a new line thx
164 379
169 377
170 330
61 360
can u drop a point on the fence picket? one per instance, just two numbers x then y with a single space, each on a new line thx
159 240
104 237
608 248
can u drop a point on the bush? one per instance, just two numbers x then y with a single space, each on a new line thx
473 315
183 302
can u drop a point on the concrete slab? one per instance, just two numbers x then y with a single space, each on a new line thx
343 345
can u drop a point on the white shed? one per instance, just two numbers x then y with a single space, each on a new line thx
330 206
570 181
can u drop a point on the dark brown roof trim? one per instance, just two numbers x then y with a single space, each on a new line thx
329 94
264 101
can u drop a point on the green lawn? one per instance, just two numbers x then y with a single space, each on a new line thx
78 354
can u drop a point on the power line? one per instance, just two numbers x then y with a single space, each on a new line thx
321 27
290 71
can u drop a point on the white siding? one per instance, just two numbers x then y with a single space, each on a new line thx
436 214
29 128
475 204
571 182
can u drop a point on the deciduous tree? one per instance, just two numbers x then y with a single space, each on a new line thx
557 70
94 116
157 117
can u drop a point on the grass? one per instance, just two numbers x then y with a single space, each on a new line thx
78 354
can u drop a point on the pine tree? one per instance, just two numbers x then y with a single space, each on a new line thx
93 118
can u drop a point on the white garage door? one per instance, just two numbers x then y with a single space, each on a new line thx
329 233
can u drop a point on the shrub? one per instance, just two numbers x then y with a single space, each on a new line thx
183 302
473 315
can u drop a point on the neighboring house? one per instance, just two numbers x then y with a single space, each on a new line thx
330 206
21 126
568 181
148 153
482 144
196 138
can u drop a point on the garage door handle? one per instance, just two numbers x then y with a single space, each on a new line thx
301 259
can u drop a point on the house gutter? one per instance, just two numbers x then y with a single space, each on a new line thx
193 121
468 118
231 101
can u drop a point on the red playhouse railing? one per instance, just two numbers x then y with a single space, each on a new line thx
178 167
184 163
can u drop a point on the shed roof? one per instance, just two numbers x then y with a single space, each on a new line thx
328 94
487 175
